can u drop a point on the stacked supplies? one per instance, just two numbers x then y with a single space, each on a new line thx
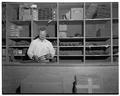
14 31
22 42
71 43
19 31
103 11
28 11
25 12
63 30
67 52
3 52
17 52
34 12
44 13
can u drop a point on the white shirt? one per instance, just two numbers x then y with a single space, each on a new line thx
40 48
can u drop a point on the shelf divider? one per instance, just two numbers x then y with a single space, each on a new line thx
84 31
111 33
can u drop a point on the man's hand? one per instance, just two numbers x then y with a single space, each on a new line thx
48 56
35 57
42 58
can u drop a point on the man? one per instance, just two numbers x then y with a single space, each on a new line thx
41 49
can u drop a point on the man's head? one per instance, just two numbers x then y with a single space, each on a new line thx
42 33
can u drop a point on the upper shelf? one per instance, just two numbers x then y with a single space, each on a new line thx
20 21
97 38
98 19
19 37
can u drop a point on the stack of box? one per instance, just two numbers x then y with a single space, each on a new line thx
24 31
63 30
95 52
70 43
3 52
19 31
25 12
45 13
17 52
76 13
14 32
28 12
103 11
34 12
66 52
22 42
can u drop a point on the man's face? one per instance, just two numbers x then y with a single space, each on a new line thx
42 35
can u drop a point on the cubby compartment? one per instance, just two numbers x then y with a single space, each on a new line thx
71 11
97 10
98 28
51 28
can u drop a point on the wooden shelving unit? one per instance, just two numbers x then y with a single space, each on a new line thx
89 37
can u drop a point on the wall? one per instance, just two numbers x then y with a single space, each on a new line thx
13 75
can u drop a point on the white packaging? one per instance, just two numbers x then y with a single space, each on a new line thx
76 13
63 27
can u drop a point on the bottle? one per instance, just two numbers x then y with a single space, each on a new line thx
34 12
98 33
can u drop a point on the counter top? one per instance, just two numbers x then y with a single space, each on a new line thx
59 64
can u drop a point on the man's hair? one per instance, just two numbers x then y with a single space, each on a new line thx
42 29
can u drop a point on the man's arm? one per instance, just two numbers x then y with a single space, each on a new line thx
30 50
51 50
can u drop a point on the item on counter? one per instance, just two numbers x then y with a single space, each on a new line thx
76 13
53 60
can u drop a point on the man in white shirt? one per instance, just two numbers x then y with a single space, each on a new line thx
40 48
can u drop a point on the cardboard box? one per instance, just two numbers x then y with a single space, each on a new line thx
62 34
76 13
87 83
63 27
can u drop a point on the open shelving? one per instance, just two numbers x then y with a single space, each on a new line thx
78 34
